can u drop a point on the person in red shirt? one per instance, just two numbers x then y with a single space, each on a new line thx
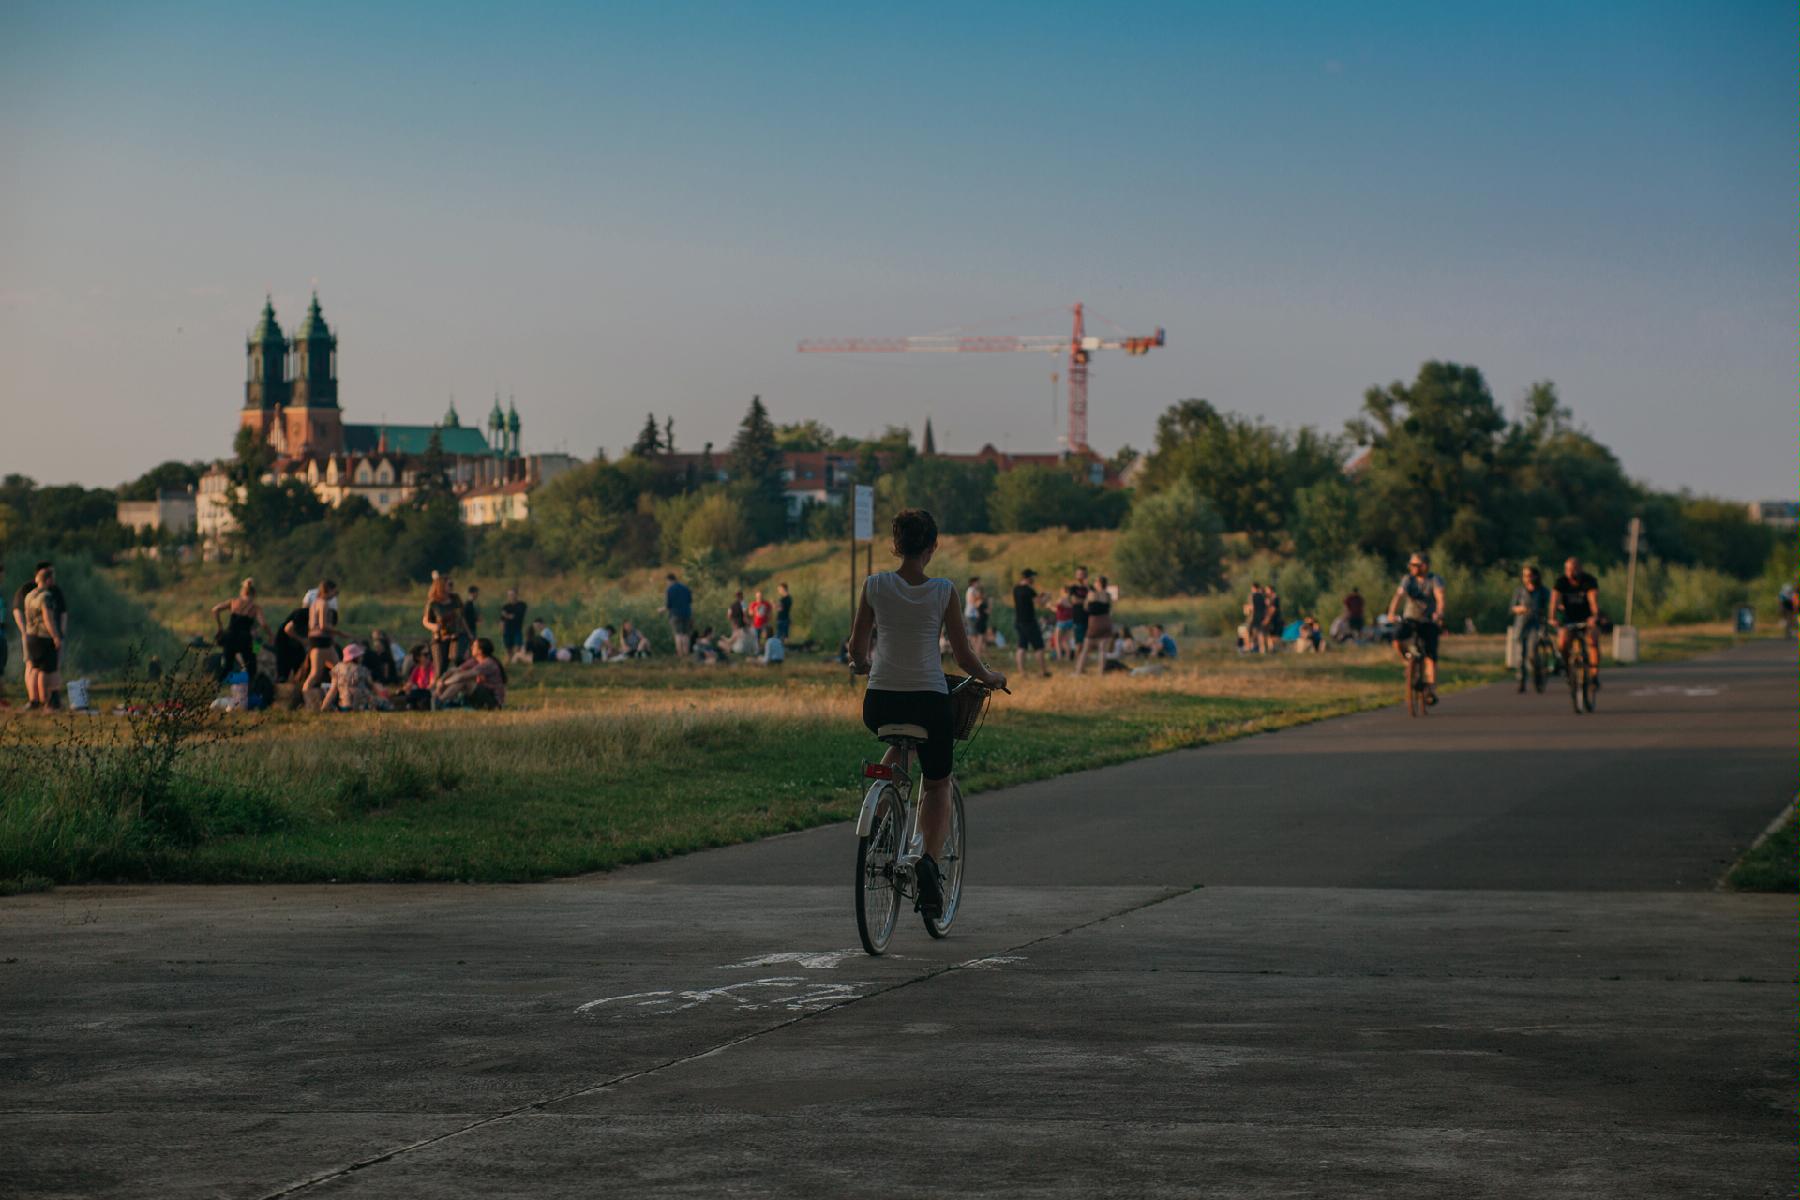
760 613
1354 613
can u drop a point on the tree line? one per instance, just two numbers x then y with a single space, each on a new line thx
1434 463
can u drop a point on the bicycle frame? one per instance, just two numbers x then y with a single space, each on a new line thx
899 775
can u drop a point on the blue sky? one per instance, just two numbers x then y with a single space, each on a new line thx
605 211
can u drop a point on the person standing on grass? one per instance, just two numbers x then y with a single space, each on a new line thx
784 612
1078 598
1099 632
1028 633
761 614
1271 619
1062 641
678 605
18 616
471 622
290 645
46 625
321 639
1354 613
734 613
235 639
512 625
1258 616
445 618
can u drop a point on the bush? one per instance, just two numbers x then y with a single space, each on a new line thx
1172 544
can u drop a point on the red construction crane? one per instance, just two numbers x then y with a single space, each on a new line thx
1080 344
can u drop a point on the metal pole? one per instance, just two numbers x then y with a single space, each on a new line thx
1637 527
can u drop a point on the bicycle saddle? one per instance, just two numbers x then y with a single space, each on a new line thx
916 732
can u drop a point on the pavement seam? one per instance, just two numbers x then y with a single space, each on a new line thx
336 1173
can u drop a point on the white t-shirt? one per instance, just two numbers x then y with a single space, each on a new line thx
907 621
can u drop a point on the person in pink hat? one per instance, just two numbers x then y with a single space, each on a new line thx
352 688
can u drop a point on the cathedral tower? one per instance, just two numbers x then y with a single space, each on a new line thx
313 424
265 377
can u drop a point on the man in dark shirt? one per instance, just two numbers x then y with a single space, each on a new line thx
512 625
1027 632
1353 612
43 652
1259 617
784 613
678 603
1575 600
1530 609
290 644
471 619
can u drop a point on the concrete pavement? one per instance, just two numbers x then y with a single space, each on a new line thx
1475 955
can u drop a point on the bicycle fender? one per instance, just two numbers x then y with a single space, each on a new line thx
865 820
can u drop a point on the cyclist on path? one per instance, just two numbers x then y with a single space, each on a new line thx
906 676
1575 600
1419 600
1531 612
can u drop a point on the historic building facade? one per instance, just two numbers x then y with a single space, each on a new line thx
291 402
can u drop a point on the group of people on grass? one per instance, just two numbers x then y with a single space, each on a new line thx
757 631
334 671
1080 624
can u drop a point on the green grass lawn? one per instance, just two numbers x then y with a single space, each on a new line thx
593 767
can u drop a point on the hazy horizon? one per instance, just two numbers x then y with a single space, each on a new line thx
644 211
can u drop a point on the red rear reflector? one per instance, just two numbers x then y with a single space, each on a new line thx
877 771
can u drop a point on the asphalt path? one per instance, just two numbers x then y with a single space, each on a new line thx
1475 954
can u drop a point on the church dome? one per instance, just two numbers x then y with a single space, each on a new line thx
451 420
313 327
268 329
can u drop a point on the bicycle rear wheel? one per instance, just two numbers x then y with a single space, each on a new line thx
1590 693
950 866
877 884
1415 684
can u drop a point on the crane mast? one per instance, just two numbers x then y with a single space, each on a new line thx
1079 345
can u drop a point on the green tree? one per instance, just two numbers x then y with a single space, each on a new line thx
431 475
1030 498
268 512
1325 521
251 456
804 436
601 514
1435 475
168 476
715 522
1172 543
1247 469
756 482
955 493
649 439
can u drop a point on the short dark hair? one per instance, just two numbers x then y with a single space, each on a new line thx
915 532
671 577
45 565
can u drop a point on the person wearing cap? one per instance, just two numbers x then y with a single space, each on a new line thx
1028 634
352 688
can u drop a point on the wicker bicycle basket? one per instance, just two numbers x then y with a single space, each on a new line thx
967 700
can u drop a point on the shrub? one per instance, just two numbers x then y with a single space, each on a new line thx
1172 543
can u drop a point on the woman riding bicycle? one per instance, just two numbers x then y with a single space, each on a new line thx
906 677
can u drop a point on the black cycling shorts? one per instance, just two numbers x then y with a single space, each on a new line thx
1427 633
931 710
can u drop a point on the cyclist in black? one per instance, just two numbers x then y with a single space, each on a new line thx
1575 600
1420 601
1531 610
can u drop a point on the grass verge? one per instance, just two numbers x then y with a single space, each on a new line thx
1772 864
594 768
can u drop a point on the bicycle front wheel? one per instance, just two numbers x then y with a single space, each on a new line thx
877 883
1576 670
950 866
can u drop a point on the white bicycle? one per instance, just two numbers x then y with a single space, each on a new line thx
888 843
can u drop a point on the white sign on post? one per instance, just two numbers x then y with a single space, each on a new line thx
865 513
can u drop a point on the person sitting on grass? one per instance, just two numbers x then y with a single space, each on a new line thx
632 642
351 690
478 683
380 661
707 648
1159 644
420 675
539 643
